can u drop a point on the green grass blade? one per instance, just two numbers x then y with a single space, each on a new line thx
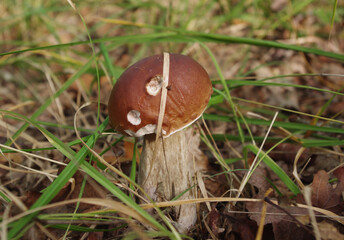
101 179
83 229
227 93
275 168
241 83
321 143
108 63
229 137
51 191
48 101
133 167
335 4
56 142
286 125
189 36
77 159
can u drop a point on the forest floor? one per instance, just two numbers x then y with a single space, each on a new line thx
272 135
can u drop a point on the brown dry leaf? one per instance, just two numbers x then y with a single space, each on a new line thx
276 95
71 191
329 232
274 215
286 152
95 236
321 193
110 157
278 5
324 195
85 82
88 83
217 186
15 157
283 230
213 221
30 198
129 151
263 176
339 173
335 107
258 179
338 191
242 227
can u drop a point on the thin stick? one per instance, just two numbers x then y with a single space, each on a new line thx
165 79
259 234
266 199
307 193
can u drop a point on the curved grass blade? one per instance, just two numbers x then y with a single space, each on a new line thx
178 35
77 159
48 101
286 125
274 167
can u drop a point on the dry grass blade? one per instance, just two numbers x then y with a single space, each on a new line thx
165 80
107 203
71 4
46 231
327 213
29 170
208 229
202 188
254 163
32 155
198 200
307 193
295 173
24 135
3 223
109 166
262 218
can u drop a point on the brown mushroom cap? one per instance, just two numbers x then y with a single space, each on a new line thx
135 99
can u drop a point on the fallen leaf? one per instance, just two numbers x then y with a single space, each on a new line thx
324 195
15 157
92 189
283 230
243 227
286 152
274 214
213 219
329 232
321 189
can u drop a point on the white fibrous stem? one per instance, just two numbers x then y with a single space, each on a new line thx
170 173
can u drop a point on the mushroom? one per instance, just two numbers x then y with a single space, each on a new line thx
166 166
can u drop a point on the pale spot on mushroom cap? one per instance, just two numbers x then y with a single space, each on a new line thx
133 117
154 85
148 129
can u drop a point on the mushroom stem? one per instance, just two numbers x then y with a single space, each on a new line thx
169 174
